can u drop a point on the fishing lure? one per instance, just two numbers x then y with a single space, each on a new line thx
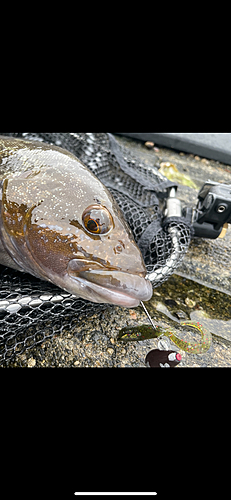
145 332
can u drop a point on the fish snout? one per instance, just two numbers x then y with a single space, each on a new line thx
98 284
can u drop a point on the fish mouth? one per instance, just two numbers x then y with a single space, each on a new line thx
112 287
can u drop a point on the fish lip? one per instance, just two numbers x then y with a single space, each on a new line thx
121 295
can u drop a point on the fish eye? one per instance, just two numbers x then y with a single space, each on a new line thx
97 219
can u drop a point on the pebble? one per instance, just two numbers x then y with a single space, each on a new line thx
31 363
133 314
149 144
189 302
181 314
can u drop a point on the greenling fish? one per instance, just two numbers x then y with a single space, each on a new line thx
61 224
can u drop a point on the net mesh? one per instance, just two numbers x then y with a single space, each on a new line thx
32 310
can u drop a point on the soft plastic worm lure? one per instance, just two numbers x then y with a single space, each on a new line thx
145 332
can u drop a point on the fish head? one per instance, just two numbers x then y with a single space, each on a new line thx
60 223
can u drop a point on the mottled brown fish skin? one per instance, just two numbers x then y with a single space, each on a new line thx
45 192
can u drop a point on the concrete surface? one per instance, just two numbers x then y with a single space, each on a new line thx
216 146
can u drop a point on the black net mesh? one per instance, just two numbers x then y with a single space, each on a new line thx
32 310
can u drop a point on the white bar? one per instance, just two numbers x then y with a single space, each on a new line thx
113 493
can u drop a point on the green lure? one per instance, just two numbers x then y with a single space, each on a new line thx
145 332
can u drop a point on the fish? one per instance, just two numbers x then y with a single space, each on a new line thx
59 223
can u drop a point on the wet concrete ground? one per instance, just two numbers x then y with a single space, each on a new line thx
94 341
209 145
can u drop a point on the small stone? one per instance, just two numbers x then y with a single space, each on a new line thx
76 363
196 157
189 302
133 314
180 314
31 362
110 350
170 302
149 144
